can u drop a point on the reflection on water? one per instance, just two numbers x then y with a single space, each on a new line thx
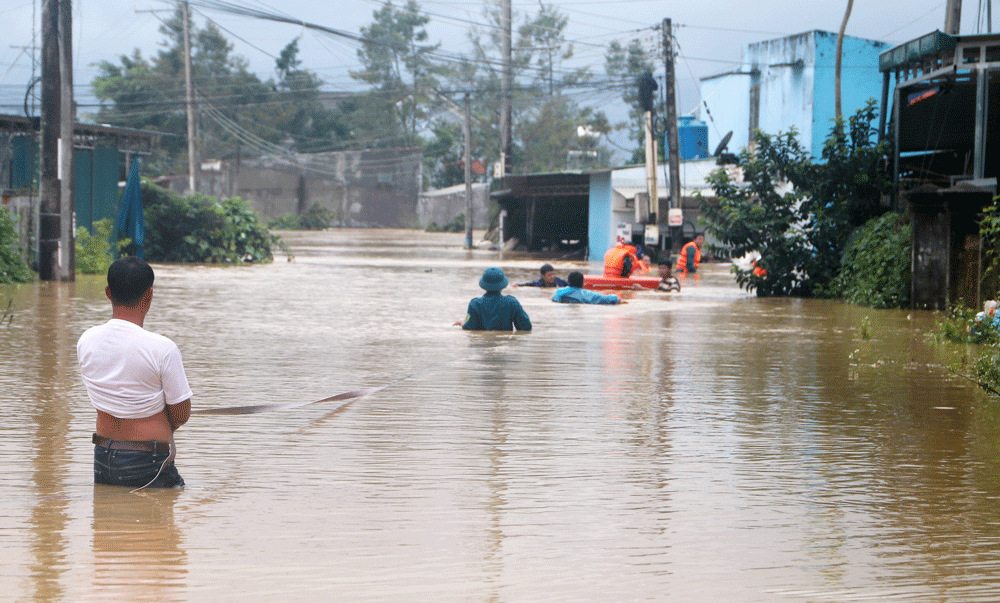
701 446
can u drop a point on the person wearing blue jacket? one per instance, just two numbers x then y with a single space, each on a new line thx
549 279
494 311
576 294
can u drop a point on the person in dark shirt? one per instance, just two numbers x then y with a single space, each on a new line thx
549 279
494 311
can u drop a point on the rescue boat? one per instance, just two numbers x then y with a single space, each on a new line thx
599 282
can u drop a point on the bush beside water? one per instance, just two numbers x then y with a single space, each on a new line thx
13 268
316 217
197 228
94 253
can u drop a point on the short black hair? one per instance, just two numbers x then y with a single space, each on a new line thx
575 279
128 279
547 268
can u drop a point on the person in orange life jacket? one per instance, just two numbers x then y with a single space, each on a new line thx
758 270
623 260
690 255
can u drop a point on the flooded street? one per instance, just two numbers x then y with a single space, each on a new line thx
698 446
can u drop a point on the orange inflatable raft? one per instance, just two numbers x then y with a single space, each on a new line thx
600 282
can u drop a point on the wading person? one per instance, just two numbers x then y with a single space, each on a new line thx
623 260
135 379
690 257
549 279
668 282
494 311
576 294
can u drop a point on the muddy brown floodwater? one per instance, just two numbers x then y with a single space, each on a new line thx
694 447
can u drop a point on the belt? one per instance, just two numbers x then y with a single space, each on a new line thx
147 446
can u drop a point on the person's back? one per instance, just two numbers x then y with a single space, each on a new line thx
135 380
495 311
576 294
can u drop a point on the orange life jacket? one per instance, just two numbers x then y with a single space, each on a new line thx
682 261
620 260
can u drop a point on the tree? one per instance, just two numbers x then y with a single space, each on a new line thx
399 67
624 66
150 94
797 214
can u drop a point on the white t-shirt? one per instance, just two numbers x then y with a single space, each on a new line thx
131 373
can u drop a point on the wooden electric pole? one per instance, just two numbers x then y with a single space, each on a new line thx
838 62
673 150
192 143
56 240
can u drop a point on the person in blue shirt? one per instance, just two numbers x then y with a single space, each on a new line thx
549 279
494 311
576 294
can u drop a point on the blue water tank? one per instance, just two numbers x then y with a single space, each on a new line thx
692 137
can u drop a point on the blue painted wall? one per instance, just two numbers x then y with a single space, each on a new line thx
796 76
600 230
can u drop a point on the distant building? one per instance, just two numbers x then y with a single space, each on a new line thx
101 156
582 212
789 82
443 205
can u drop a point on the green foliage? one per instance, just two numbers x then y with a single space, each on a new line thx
756 216
875 270
145 93
197 228
457 224
801 233
989 233
959 326
94 253
316 217
13 269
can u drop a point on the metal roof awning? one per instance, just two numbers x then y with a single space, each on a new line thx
926 45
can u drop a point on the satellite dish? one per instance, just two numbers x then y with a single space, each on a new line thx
723 144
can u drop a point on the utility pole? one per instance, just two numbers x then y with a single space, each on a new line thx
56 241
953 17
647 101
673 149
192 143
838 62
467 126
506 82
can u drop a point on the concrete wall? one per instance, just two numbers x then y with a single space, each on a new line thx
789 82
444 205
364 188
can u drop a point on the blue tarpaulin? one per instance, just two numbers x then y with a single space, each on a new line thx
130 220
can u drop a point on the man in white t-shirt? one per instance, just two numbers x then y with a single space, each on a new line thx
136 381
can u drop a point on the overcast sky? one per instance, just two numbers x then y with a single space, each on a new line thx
710 34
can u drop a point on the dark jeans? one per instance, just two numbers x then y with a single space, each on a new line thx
133 468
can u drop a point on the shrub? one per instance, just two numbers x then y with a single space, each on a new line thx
198 228
457 224
316 217
94 253
875 269
13 269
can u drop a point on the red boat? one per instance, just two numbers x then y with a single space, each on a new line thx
600 282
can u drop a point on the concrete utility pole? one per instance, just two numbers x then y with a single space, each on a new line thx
506 82
953 17
467 126
673 149
56 241
192 143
